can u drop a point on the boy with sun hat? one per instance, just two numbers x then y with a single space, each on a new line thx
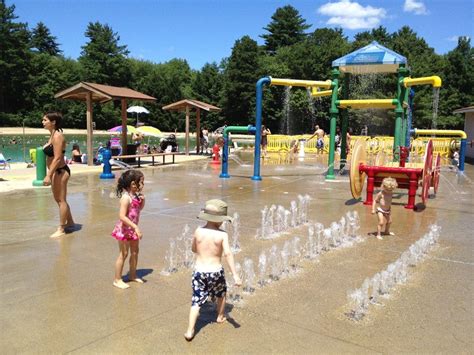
209 244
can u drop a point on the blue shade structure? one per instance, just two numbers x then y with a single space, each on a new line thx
373 58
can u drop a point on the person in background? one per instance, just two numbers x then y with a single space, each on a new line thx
320 142
455 160
76 155
204 140
337 140
348 141
137 139
264 142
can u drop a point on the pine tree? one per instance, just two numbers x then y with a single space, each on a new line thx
104 61
287 28
43 41
14 61
241 75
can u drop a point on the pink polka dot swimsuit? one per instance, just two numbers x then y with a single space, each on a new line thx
121 230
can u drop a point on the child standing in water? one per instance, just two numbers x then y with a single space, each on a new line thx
126 231
209 244
384 199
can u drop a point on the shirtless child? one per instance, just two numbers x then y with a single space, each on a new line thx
209 244
384 199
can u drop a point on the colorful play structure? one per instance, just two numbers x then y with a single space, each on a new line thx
373 58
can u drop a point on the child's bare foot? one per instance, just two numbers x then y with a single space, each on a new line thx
189 335
221 319
379 237
137 279
120 284
59 233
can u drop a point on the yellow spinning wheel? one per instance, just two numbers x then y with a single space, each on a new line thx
427 172
436 173
357 179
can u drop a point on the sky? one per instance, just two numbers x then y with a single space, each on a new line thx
204 31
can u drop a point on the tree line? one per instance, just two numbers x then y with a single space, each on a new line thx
33 69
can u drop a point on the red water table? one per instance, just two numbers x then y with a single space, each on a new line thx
407 175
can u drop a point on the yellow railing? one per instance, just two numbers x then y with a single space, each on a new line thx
442 146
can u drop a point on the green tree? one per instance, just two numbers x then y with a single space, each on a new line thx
312 60
458 84
103 60
207 86
286 28
168 82
43 41
422 61
273 96
14 61
241 75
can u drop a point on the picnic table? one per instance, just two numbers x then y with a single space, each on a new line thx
151 155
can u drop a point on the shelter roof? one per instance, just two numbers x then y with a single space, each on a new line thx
464 109
373 58
181 105
101 93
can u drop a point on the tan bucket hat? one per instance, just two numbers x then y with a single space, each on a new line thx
215 211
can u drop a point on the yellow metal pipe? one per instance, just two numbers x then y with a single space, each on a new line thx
435 81
303 83
441 132
316 93
375 103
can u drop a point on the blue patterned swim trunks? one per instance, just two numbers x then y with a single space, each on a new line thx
207 284
320 143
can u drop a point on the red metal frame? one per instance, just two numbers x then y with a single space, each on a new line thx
374 179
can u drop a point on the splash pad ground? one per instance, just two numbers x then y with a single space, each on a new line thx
57 295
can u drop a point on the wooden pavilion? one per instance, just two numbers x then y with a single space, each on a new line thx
91 92
187 105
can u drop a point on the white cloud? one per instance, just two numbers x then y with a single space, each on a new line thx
352 15
455 38
417 7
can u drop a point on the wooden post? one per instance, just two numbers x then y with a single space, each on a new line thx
187 130
90 152
198 130
124 126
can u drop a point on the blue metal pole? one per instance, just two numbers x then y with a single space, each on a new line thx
225 156
258 126
462 154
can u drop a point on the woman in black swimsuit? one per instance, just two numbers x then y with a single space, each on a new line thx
58 171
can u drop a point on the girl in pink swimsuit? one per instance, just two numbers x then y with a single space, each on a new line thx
126 230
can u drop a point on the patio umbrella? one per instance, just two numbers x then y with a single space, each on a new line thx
149 131
137 110
118 129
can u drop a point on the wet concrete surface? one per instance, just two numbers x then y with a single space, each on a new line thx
57 295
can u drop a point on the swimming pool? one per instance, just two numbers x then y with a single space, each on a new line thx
20 151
